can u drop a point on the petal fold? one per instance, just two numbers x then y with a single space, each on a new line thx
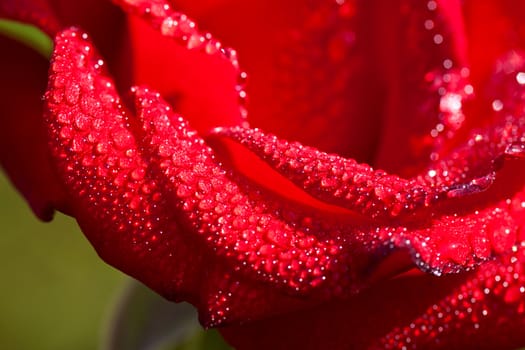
192 69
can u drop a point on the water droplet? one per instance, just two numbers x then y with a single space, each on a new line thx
82 122
122 139
479 184
66 132
184 191
135 202
450 103
431 5
77 144
520 78
515 150
195 41
102 148
63 118
138 174
72 93
497 105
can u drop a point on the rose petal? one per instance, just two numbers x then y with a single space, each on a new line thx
114 194
337 180
277 242
482 310
191 68
355 323
487 311
425 56
493 28
309 68
107 26
288 235
112 191
488 148
117 199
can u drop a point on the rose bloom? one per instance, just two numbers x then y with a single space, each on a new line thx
247 181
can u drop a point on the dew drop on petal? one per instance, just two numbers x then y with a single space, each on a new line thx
520 78
478 184
497 105
515 150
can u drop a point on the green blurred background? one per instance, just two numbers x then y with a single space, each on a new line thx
55 292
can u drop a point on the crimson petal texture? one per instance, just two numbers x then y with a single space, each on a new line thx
150 191
137 220
192 69
427 78
277 242
113 191
309 67
487 148
159 203
487 311
481 310
337 180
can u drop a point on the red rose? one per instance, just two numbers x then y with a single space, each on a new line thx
287 244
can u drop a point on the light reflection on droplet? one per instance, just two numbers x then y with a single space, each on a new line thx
520 78
450 103
497 105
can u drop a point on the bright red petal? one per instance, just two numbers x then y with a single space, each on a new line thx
193 70
489 148
309 68
423 47
337 180
112 191
494 27
142 228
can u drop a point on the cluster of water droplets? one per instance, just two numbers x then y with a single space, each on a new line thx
490 304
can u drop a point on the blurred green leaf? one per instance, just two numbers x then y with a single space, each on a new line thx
55 289
28 35
202 340
142 320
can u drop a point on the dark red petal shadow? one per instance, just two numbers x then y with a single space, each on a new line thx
481 310
352 324
23 154
35 12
